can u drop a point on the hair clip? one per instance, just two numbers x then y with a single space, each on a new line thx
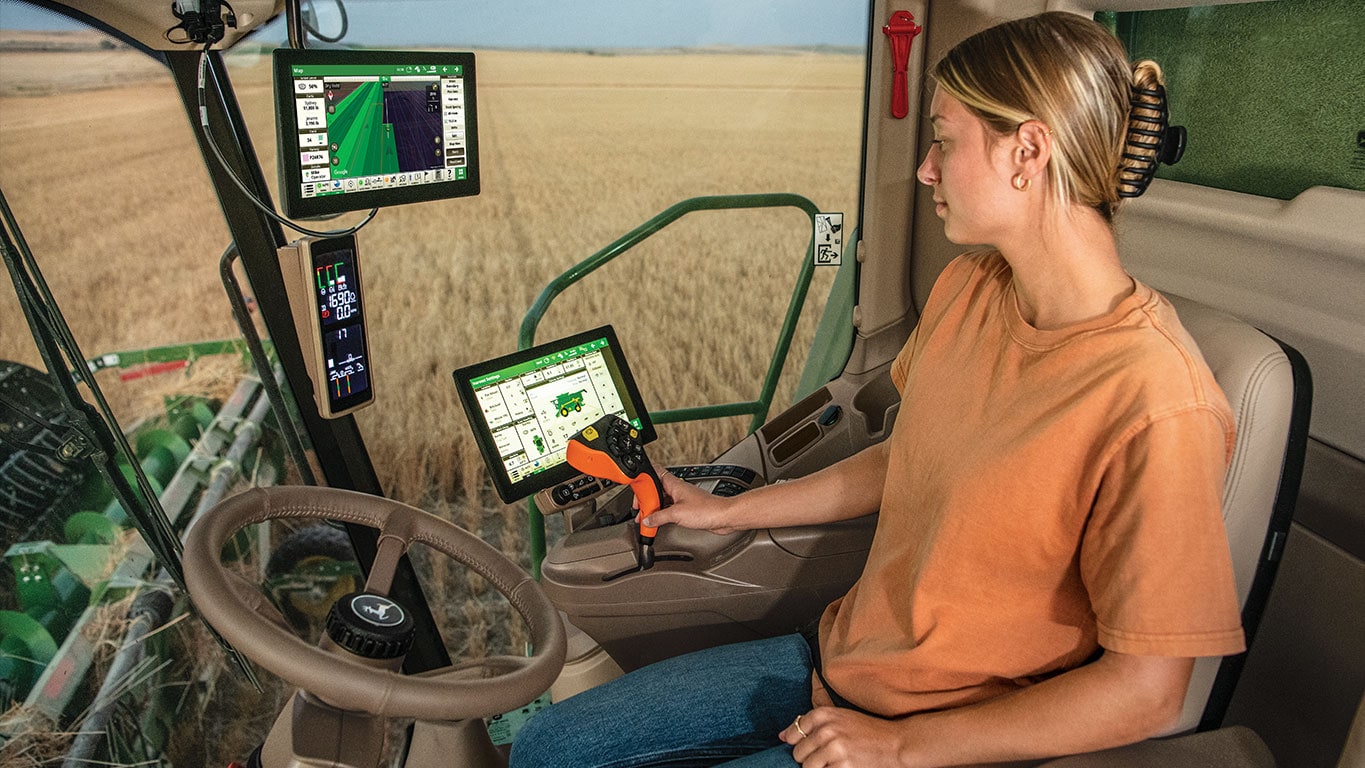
1165 144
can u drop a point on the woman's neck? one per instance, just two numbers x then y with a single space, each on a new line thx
1067 272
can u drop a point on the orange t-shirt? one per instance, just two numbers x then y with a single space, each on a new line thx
1048 493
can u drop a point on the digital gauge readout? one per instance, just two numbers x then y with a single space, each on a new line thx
336 281
345 353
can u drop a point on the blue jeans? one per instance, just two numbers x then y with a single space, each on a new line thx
720 706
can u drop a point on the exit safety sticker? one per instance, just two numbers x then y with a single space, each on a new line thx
829 239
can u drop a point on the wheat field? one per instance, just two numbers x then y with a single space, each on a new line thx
576 149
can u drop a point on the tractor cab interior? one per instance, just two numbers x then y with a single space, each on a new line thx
410 155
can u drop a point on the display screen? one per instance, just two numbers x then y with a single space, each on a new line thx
336 287
524 407
361 129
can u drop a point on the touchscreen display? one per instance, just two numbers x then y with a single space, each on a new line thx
524 407
360 129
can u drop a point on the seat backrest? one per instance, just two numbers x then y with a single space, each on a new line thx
1268 386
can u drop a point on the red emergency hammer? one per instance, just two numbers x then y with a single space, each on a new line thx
610 449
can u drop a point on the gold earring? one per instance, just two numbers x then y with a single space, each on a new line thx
1020 183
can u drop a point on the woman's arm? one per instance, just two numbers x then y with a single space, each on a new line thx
1117 699
851 488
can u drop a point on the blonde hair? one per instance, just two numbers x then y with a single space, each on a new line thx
1071 74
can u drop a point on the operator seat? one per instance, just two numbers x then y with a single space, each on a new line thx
1268 386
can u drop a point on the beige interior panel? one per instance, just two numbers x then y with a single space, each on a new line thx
1293 268
885 313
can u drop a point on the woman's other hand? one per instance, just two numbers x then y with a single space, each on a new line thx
830 737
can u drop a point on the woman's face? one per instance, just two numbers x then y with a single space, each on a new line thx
968 168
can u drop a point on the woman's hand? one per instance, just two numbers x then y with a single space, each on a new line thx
692 507
842 738
851 488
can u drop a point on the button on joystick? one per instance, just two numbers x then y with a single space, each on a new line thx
610 449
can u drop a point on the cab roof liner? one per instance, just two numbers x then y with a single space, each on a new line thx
146 23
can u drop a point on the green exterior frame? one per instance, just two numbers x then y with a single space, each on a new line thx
757 408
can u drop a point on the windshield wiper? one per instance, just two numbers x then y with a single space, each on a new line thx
89 431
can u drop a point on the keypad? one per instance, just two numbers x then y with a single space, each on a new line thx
733 479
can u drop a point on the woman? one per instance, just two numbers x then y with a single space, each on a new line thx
1050 557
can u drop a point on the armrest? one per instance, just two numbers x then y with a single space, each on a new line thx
1234 747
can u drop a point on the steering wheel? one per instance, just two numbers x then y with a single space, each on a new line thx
238 610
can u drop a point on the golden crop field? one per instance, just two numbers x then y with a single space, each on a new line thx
576 149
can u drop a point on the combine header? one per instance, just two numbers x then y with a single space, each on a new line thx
77 642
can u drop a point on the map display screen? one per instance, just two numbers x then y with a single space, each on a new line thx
524 407
360 129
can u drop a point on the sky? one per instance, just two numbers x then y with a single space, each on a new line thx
568 23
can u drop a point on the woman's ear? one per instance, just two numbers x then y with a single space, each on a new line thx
1033 148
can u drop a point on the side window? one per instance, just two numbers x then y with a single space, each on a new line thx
100 169
1272 93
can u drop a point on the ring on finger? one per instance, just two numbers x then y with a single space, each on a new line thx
799 729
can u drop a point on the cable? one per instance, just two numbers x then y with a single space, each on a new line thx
262 207
173 41
345 24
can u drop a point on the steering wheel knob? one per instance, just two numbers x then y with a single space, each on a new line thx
371 626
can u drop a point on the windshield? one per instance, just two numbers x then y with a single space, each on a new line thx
591 121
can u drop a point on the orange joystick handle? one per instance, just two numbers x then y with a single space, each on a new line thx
610 448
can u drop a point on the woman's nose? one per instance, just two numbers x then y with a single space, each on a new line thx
927 173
